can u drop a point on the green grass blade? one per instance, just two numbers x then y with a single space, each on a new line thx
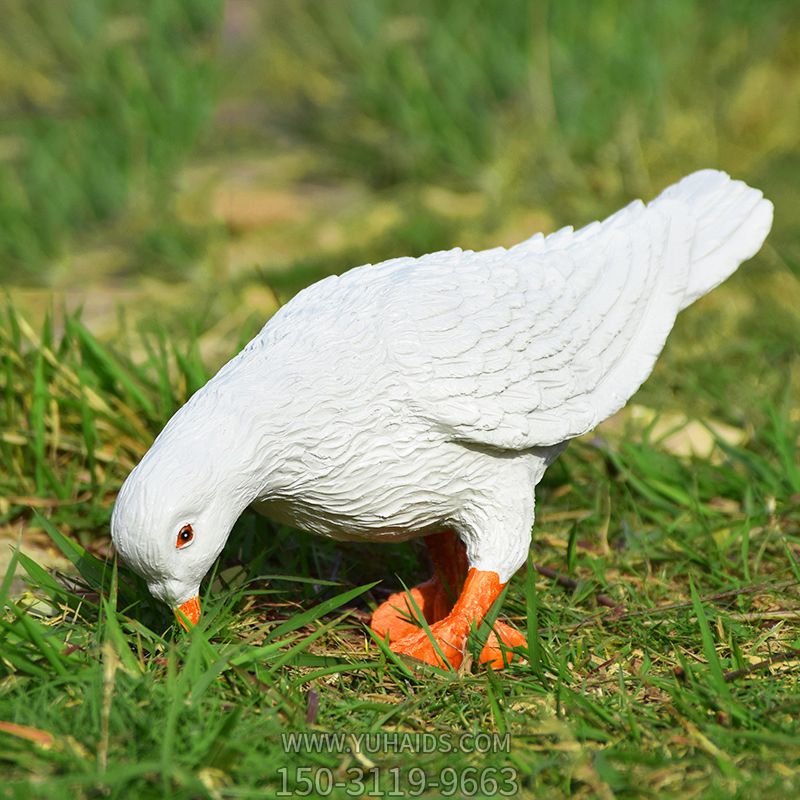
313 614
38 636
109 367
91 569
716 673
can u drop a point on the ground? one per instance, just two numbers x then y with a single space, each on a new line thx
662 598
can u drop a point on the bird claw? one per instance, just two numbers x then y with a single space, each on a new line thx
450 637
492 655
396 615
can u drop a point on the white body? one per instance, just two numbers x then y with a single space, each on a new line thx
421 394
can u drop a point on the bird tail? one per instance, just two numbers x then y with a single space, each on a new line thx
731 222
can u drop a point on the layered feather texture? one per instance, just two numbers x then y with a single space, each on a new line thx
533 345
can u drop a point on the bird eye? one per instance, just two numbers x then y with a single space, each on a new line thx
185 535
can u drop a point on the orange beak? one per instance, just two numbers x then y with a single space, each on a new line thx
191 610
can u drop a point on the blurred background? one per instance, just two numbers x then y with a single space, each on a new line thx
218 143
190 164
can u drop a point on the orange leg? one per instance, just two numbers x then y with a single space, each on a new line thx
434 597
481 589
396 615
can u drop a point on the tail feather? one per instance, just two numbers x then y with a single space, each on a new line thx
732 221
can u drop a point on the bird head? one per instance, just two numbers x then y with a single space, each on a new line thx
170 522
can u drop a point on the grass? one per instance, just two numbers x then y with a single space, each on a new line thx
537 105
662 597
689 685
550 104
100 101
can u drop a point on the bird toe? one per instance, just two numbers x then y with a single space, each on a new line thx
397 616
442 647
497 657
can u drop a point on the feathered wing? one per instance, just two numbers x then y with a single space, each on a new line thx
534 345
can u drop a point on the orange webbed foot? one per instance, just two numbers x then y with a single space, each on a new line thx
450 635
396 615
434 598
444 644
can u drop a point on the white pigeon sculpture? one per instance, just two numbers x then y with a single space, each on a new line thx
426 397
